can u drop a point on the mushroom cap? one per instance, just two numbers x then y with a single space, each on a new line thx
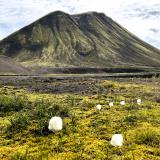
139 100
117 140
122 102
55 124
98 107
111 104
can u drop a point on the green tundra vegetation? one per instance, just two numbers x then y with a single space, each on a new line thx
86 133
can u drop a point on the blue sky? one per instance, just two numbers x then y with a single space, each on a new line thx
141 17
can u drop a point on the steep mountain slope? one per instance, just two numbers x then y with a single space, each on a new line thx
8 66
88 40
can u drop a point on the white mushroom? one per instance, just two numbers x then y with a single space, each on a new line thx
55 124
139 101
122 103
111 104
117 140
98 107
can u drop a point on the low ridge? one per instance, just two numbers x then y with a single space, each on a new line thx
9 66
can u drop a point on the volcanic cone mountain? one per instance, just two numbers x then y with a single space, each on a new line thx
84 40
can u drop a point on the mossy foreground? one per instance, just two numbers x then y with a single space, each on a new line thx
86 133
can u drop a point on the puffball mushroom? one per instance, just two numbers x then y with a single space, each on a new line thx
139 101
98 107
117 140
111 104
55 124
122 103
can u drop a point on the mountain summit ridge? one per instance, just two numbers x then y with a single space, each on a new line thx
89 39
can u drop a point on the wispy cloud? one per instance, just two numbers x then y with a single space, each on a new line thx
144 11
141 17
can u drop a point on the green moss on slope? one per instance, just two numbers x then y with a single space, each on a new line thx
88 40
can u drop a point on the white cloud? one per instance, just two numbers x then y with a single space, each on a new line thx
138 16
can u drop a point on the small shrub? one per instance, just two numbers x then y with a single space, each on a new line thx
11 103
71 100
44 109
130 119
87 104
18 122
42 127
148 137
40 109
21 156
131 107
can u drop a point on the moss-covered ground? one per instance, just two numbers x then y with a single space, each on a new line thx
86 132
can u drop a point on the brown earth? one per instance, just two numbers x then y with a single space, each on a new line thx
9 66
71 84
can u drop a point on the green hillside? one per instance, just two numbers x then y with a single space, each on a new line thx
90 40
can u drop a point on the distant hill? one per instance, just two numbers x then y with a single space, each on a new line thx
8 66
84 40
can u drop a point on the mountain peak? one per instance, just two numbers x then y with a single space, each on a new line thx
85 40
56 13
